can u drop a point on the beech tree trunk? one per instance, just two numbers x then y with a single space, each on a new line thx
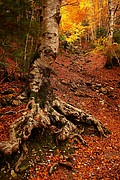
112 50
44 109
49 44
111 19
112 9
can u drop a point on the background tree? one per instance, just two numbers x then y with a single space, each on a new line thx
20 26
112 8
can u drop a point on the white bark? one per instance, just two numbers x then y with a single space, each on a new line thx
111 18
49 41
49 25
112 8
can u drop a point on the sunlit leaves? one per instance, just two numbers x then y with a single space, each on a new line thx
76 31
93 12
73 12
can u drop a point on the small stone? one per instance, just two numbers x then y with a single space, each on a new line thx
102 102
92 174
80 94
48 160
13 174
93 87
97 91
98 168
2 169
64 82
111 88
104 90
23 96
36 168
99 85
118 106
9 97
16 102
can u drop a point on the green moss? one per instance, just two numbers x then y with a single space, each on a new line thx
42 99
24 167
33 94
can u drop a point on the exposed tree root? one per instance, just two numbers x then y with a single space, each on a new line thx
21 129
80 138
22 157
65 119
74 117
66 164
55 166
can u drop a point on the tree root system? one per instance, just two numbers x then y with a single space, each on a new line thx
65 121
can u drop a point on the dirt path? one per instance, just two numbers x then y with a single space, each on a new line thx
84 82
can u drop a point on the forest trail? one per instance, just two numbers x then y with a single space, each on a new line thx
82 81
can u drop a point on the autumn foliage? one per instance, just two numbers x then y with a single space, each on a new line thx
88 19
50 138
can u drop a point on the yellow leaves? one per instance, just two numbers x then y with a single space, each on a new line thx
66 22
72 16
85 4
100 44
76 11
73 12
75 32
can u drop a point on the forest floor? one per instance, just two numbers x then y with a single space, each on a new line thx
82 81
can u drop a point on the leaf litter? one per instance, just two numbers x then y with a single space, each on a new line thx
85 83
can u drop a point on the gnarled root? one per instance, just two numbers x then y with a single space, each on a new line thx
66 120
21 129
22 157
80 138
74 117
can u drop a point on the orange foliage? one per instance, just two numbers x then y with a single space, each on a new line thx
90 13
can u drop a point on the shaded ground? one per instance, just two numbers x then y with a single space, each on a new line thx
83 82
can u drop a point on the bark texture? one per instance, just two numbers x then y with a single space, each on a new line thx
111 18
112 9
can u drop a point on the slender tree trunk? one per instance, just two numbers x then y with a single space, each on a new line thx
92 24
100 13
111 49
111 19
